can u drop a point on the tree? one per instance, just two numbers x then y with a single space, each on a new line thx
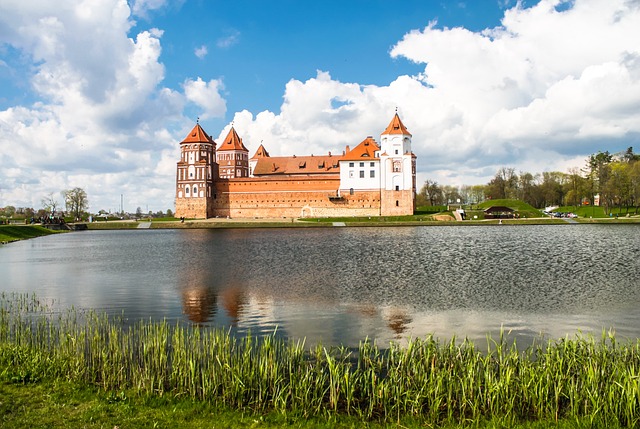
598 170
504 184
576 187
432 192
138 212
169 213
49 203
451 194
9 211
477 193
76 201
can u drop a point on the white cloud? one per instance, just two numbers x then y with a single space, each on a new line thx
201 52
143 7
553 84
206 95
103 120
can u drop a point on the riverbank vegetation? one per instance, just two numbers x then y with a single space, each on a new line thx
427 382
9 233
608 181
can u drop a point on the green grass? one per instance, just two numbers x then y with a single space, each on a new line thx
62 405
10 233
596 212
428 382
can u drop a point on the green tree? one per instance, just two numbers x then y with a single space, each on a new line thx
9 211
504 184
598 170
552 188
432 193
76 201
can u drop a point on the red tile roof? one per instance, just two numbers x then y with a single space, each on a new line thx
197 135
396 127
232 142
261 153
323 164
365 150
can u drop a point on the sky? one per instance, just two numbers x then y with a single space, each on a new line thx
98 94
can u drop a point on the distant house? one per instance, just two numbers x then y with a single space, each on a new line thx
499 212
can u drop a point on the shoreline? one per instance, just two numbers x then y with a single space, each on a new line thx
217 223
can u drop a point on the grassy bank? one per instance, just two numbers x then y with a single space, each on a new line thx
9 233
426 382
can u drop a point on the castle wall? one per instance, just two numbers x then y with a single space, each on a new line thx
195 208
396 203
289 197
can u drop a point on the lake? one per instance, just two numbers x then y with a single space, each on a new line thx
342 285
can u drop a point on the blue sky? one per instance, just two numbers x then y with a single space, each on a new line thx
98 93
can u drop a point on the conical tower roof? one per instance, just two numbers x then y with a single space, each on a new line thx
197 135
261 153
396 127
232 142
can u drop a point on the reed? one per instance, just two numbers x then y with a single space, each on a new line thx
580 378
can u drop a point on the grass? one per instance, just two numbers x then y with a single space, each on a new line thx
580 380
10 233
597 211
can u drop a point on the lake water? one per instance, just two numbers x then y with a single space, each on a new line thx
342 285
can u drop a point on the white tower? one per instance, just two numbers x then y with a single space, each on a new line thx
397 170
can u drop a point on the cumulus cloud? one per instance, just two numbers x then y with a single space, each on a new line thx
102 120
552 84
206 95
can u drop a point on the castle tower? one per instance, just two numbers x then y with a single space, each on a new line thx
233 157
260 153
397 170
196 173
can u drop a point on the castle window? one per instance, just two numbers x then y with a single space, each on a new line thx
351 164
362 164
372 173
397 188
372 164
396 151
351 191
186 190
195 191
397 203
351 174
362 174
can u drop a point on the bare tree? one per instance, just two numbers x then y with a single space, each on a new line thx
49 203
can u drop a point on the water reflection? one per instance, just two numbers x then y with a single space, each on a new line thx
341 285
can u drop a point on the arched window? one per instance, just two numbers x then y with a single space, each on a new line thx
186 190
195 191
351 191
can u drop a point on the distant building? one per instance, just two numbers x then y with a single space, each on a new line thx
369 180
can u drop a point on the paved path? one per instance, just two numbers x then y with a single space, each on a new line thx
144 225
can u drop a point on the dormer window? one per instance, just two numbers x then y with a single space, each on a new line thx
302 164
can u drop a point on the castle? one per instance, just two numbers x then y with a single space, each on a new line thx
369 180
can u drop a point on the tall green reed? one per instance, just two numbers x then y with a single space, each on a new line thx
440 383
